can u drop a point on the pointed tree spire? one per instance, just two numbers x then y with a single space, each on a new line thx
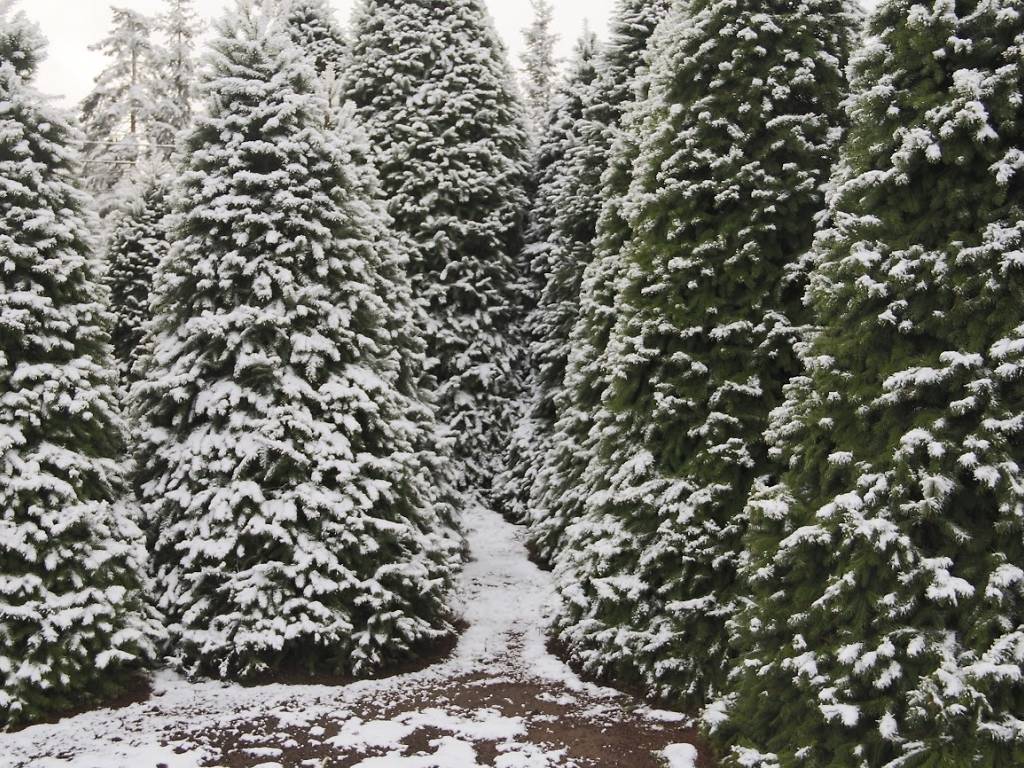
315 29
434 88
179 27
118 114
73 623
540 63
283 464
886 621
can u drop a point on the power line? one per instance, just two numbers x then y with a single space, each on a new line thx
120 143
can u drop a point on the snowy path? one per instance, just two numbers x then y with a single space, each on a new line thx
500 700
506 604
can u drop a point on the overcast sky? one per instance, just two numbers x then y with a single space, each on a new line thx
72 25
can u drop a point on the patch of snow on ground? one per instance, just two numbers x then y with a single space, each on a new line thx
486 725
680 755
664 715
92 756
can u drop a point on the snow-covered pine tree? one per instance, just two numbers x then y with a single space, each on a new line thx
176 67
315 29
597 176
540 64
74 626
281 460
435 90
738 135
138 242
552 253
886 625
433 444
117 115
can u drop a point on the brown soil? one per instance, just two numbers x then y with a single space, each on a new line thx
630 688
595 734
634 690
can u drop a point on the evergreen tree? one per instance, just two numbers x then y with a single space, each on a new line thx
138 242
315 29
540 63
175 66
590 197
118 114
434 89
295 520
886 624
552 253
73 624
737 136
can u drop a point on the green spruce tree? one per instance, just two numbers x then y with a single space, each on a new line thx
285 456
597 176
315 29
138 242
120 116
434 88
74 626
551 245
175 66
886 621
736 138
540 64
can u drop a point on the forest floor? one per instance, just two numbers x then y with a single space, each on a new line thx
500 699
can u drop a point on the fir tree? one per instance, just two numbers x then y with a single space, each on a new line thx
315 29
886 624
434 89
175 64
118 114
552 253
73 624
590 197
738 135
540 63
138 242
281 464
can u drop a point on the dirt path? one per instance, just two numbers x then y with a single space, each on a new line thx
500 700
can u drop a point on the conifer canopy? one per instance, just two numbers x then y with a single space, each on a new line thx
433 86
886 622
735 140
283 449
74 625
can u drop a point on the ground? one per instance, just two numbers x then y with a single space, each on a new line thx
500 699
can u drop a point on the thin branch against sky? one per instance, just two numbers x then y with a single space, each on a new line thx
72 26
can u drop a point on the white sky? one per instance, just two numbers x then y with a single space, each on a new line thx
72 25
